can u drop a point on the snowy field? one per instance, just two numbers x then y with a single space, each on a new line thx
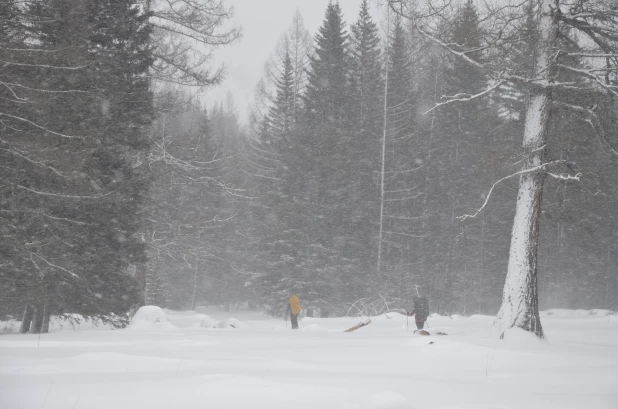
260 364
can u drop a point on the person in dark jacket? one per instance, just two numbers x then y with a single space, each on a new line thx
420 311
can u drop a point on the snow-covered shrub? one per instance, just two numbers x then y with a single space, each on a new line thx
150 317
208 322
8 327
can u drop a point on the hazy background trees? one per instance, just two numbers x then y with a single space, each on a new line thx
440 164
120 187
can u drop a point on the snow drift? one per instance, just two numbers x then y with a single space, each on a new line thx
150 317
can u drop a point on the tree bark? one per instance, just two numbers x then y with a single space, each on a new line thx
46 318
151 280
194 286
37 320
520 307
26 319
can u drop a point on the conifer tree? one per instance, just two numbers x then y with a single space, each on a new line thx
282 118
402 179
87 98
272 164
324 146
366 116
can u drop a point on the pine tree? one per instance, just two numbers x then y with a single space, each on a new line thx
325 99
366 116
282 118
366 76
81 209
10 22
403 175
324 147
458 133
271 162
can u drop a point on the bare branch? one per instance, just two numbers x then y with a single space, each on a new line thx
64 196
8 84
40 127
45 66
465 97
586 73
521 172
595 124
72 274
560 176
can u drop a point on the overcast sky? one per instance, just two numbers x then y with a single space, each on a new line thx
263 22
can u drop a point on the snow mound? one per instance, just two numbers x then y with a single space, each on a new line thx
208 322
520 337
387 400
232 323
150 317
227 323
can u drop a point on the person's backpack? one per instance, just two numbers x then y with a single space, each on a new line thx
421 307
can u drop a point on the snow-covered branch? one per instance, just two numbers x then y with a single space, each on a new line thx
50 91
588 74
54 67
39 126
595 124
465 97
49 263
461 54
521 172
561 176
64 196
27 159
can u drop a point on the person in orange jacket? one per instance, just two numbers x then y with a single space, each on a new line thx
294 309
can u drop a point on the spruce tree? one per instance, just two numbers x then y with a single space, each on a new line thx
281 118
326 162
366 116
403 176
461 132
272 164
81 210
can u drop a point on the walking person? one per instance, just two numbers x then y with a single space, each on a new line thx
420 311
294 309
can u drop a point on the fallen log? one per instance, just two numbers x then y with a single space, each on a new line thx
364 321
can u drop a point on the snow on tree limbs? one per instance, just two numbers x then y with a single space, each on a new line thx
592 19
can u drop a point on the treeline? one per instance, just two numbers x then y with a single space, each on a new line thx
82 103
363 172
348 188
75 106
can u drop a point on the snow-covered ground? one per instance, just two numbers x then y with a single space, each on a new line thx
197 360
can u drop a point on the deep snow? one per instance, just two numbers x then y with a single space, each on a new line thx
187 364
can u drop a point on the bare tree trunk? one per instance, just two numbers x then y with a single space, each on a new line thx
26 319
520 298
46 318
194 286
383 153
608 273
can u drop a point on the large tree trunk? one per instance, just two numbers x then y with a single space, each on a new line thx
37 320
151 281
520 298
26 319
